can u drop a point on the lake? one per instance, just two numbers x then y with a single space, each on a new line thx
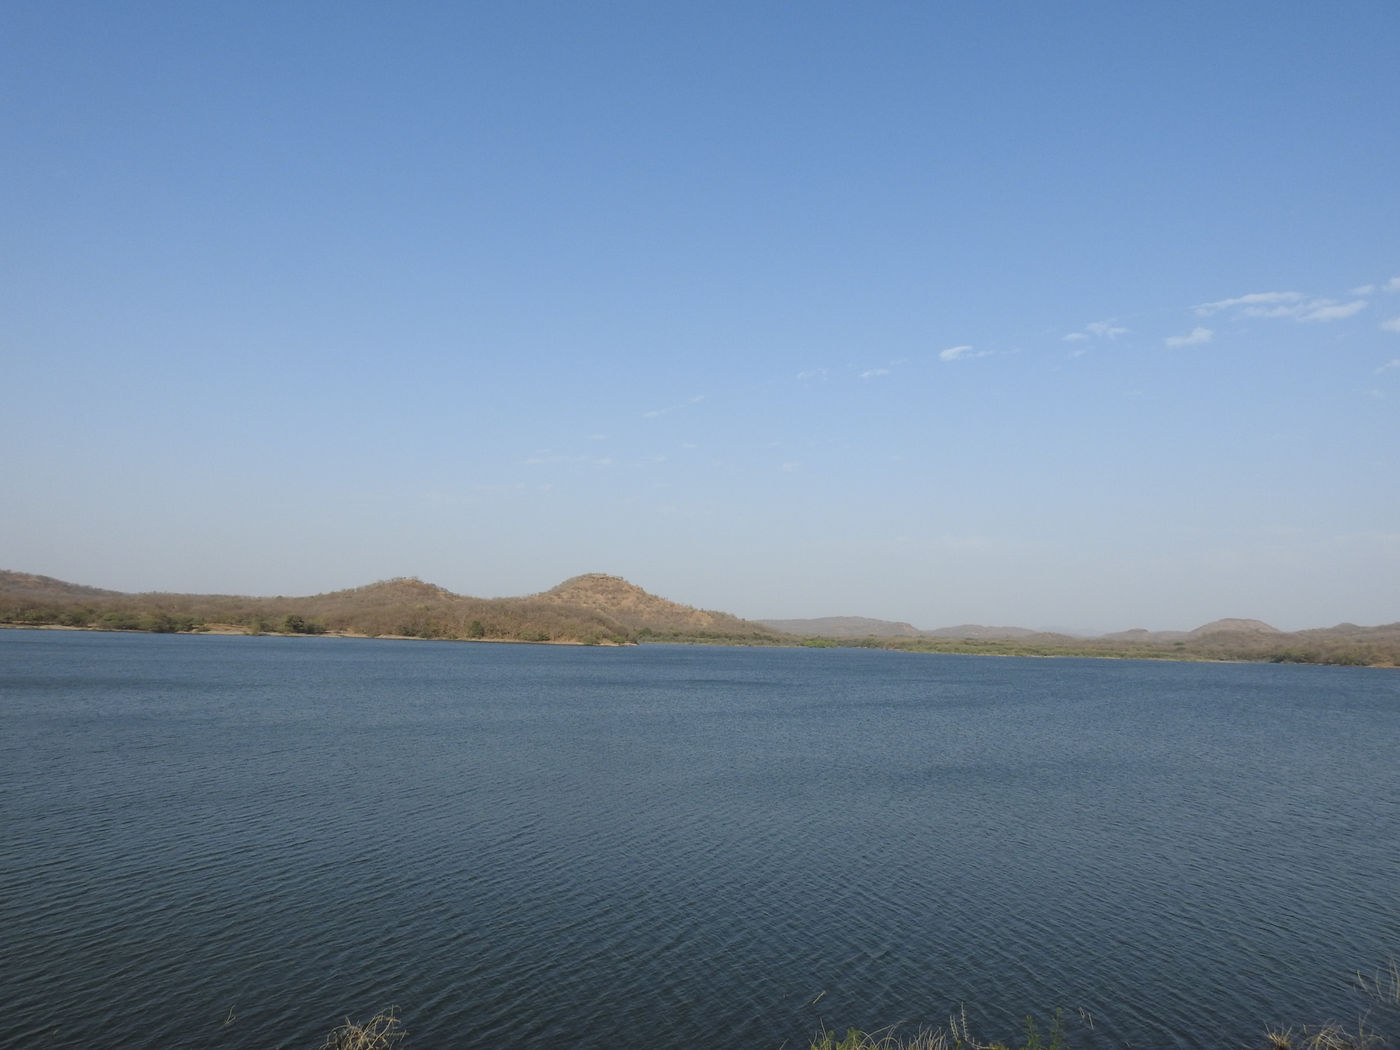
236 842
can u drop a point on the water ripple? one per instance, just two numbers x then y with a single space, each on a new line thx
228 843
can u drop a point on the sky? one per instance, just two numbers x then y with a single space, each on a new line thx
1078 315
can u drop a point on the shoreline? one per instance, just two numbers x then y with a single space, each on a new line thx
976 648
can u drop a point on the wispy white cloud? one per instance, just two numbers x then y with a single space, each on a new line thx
546 456
1392 285
812 373
871 373
1105 329
1195 337
1252 302
1096 330
1294 306
1327 310
959 353
1394 362
656 413
1393 325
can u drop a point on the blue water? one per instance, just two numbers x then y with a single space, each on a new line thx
235 842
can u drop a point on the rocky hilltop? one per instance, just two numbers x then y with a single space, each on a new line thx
634 608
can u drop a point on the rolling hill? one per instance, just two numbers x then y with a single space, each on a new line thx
588 609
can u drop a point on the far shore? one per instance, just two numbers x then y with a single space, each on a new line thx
946 648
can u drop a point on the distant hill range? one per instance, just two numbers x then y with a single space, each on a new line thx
864 627
599 609
1228 639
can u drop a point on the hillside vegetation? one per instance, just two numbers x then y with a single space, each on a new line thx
598 609
591 609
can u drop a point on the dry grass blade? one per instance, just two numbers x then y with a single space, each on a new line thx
380 1032
1384 985
1335 1037
924 1039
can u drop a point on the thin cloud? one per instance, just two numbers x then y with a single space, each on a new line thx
1293 306
1096 330
953 353
1327 310
1195 337
1392 285
1105 329
657 413
871 373
1393 325
1394 362
547 456
1250 302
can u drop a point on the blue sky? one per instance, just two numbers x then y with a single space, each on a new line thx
1081 315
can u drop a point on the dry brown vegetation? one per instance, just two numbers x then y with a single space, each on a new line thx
381 1032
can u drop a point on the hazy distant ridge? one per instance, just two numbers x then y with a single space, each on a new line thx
866 627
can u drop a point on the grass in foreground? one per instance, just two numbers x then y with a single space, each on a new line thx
957 1036
380 1032
384 1031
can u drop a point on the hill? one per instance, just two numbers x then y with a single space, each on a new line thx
1226 639
31 587
635 609
844 627
1235 626
977 631
588 609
